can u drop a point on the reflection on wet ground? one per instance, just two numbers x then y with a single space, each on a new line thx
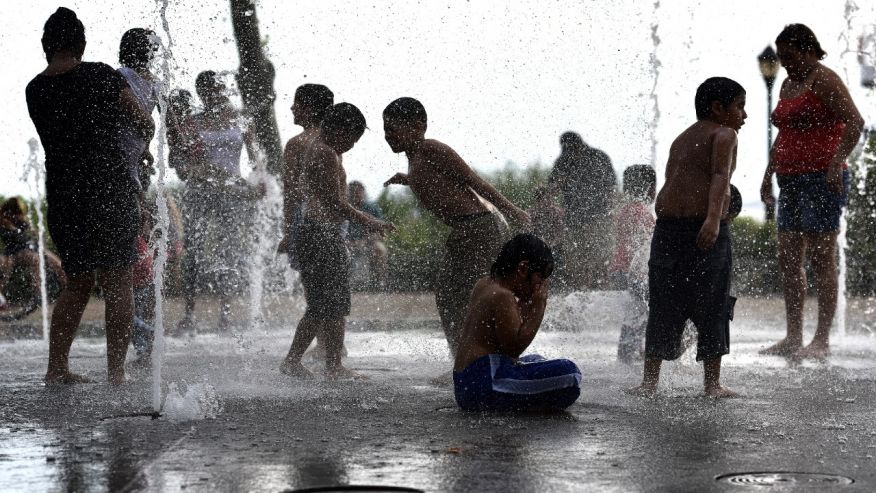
261 431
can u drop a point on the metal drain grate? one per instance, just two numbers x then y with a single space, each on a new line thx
794 479
361 488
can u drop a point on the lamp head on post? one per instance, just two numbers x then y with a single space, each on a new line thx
769 65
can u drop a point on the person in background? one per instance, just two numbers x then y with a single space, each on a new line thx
819 125
216 198
20 251
585 179
364 243
633 226
548 223
136 51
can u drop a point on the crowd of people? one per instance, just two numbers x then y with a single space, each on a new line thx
95 125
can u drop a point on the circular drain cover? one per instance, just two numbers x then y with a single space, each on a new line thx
360 488
794 479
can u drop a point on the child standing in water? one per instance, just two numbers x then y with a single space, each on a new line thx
691 259
634 224
449 189
504 315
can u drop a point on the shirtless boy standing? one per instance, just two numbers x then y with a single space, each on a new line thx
449 189
690 266
311 103
504 314
320 244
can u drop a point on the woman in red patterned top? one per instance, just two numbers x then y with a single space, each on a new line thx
819 126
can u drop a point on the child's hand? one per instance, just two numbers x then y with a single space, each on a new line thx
380 227
835 180
397 179
522 219
766 191
708 234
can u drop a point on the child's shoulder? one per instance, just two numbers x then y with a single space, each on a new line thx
432 146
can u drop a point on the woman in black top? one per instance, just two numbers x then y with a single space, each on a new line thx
93 213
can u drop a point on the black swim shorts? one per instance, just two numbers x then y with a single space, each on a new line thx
324 264
687 283
95 233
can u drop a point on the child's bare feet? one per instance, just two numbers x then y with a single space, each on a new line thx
342 373
816 351
719 392
784 348
644 390
65 378
117 378
296 370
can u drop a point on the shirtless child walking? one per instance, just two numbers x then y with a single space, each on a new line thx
504 315
319 242
691 259
449 189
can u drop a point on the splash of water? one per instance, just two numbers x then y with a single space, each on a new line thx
160 232
33 166
849 11
198 402
655 70
267 229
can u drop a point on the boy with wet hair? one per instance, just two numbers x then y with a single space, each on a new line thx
633 226
691 259
504 315
456 195
319 241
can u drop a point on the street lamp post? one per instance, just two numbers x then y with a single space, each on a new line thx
769 68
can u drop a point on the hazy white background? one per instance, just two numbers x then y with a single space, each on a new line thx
500 80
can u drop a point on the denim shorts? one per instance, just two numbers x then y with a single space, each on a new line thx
806 205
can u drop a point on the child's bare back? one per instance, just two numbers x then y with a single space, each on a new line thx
691 167
434 171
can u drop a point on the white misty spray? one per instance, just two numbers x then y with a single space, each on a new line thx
842 243
160 232
655 70
35 167
267 229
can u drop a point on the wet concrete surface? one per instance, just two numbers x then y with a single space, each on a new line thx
261 431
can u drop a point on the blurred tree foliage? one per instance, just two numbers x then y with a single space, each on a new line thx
861 236
755 265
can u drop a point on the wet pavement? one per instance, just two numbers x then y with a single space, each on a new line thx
239 425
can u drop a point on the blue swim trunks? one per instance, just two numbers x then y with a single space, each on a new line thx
496 383
806 205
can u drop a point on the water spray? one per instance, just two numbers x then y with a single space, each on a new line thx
34 166
160 232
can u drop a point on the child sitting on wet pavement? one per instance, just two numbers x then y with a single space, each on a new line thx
504 315
690 266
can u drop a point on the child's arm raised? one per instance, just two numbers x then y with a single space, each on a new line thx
723 150
450 162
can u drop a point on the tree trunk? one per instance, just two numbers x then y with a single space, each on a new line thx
255 78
